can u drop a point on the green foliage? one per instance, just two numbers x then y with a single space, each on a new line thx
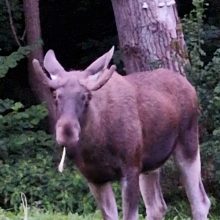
27 159
37 177
194 32
6 36
206 78
27 164
16 123
11 61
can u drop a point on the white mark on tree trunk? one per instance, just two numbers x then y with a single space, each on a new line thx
146 40
171 22
145 5
166 16
161 3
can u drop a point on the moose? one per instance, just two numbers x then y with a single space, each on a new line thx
124 128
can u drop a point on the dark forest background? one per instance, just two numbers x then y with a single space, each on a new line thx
79 32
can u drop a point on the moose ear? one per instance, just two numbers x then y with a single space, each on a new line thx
101 63
52 65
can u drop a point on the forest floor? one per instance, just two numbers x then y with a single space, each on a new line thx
36 214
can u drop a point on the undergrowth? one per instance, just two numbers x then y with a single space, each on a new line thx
176 211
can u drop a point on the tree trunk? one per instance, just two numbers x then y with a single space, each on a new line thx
150 35
33 30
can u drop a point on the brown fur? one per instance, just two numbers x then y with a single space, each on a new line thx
116 128
135 121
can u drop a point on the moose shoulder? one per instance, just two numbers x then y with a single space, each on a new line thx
125 128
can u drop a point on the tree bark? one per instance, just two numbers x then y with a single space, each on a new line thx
150 35
33 30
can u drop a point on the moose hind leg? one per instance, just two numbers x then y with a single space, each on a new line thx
152 195
191 176
105 199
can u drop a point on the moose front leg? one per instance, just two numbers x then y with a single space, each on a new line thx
105 199
130 195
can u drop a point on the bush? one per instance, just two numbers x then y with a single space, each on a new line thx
204 75
206 78
45 188
28 161
27 164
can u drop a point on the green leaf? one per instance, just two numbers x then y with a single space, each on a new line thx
5 104
216 132
10 62
17 106
217 89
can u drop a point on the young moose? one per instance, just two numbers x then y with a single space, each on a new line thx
125 128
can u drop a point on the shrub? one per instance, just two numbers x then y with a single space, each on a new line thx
28 161
206 78
204 75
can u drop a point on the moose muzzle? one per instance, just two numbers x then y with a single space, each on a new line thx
67 132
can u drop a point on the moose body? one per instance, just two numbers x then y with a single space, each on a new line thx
125 128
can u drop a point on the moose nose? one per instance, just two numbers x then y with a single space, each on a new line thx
67 133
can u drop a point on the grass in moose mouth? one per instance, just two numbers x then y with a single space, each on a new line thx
61 165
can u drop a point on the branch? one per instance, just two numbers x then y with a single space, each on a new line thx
11 23
23 35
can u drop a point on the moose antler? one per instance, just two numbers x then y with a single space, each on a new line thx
54 84
95 84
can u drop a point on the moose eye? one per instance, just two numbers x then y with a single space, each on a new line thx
89 96
83 97
86 97
54 94
56 97
59 96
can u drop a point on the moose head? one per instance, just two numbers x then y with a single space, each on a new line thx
72 92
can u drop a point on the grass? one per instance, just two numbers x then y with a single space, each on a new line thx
36 214
176 211
40 215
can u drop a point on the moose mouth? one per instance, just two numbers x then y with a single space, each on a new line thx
67 133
